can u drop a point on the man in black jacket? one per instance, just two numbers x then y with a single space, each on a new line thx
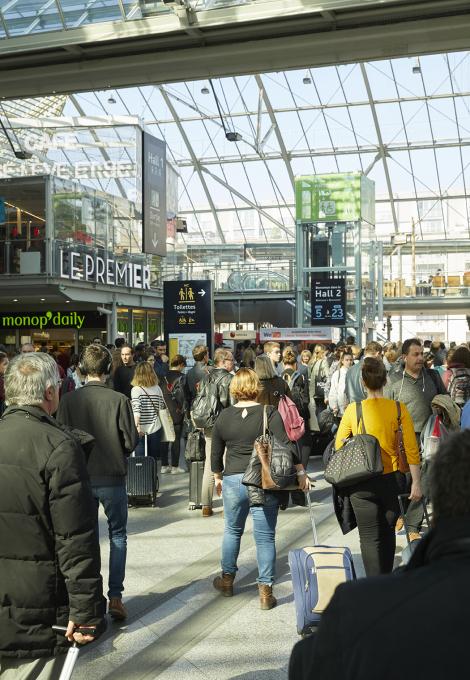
50 556
221 375
198 371
123 375
412 623
107 415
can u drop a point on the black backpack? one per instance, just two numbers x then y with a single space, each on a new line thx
296 384
176 389
206 405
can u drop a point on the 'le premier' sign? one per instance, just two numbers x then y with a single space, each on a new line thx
95 269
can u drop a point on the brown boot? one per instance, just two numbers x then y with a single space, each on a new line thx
224 584
207 511
266 597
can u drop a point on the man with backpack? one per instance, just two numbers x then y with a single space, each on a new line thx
198 371
175 394
213 395
416 386
457 377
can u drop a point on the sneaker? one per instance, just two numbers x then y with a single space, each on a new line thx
116 609
177 471
414 536
165 469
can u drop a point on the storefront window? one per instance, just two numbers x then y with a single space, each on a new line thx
154 325
123 323
138 326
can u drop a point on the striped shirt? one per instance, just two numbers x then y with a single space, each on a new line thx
146 403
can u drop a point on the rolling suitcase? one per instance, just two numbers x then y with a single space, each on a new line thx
142 479
196 473
316 571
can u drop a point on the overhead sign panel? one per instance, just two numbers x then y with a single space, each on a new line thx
188 307
335 198
328 302
153 195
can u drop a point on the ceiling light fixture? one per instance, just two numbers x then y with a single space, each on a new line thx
307 80
43 299
15 299
230 135
205 90
111 100
416 67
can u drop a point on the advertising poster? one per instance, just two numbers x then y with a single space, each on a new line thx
334 198
153 195
305 334
184 343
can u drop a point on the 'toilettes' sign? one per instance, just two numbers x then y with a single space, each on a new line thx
95 269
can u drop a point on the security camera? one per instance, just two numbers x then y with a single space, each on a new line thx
103 310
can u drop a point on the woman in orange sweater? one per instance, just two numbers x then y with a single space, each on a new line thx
375 501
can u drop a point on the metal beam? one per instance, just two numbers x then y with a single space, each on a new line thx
272 117
103 151
195 162
246 200
314 107
383 151
341 151
246 39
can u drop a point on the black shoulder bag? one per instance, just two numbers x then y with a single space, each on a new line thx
358 460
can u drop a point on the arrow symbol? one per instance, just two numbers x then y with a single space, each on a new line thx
155 239
201 292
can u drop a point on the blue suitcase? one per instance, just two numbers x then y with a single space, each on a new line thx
316 571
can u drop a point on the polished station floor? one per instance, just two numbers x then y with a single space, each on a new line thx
179 627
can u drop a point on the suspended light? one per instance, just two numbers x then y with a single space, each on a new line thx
204 90
307 80
111 100
416 67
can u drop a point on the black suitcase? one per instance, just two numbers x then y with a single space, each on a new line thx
142 479
196 473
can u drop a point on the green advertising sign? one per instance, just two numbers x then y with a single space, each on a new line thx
335 198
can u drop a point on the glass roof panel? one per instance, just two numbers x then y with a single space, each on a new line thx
322 125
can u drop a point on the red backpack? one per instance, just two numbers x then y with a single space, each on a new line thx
293 422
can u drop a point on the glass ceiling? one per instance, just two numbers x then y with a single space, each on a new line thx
26 17
404 122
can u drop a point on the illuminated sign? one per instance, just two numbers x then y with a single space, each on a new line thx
328 302
43 320
188 308
95 269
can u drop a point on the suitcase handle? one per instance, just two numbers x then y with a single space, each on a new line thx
312 518
403 496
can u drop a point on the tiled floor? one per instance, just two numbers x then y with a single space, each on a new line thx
179 627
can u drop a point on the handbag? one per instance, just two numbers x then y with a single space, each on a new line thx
284 475
166 421
195 446
399 444
167 426
358 460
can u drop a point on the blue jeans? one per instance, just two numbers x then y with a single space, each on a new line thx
236 509
153 445
114 502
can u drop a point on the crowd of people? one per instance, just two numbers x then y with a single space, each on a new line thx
100 407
